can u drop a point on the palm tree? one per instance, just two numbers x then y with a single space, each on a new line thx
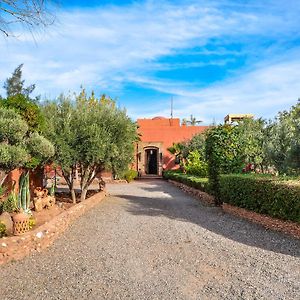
192 121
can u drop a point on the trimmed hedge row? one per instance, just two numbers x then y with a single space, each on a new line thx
262 194
196 182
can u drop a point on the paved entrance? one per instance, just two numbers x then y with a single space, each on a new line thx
149 240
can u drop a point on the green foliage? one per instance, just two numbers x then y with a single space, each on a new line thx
24 193
2 230
12 127
18 99
10 204
277 198
178 149
40 149
19 148
14 85
91 134
27 108
196 143
283 141
130 175
252 140
200 183
13 130
196 165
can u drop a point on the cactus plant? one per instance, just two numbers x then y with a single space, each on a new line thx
24 193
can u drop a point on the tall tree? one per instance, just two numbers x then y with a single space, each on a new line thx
14 85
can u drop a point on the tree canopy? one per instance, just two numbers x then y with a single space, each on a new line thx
91 135
18 98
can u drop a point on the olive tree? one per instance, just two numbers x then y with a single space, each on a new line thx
18 146
283 141
13 153
91 135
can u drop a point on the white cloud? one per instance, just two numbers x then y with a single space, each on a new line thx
263 91
105 48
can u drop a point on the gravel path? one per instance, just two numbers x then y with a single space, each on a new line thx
149 240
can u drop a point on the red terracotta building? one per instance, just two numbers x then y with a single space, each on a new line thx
157 135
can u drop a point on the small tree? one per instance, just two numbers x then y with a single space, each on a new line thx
91 135
283 141
252 139
214 160
19 147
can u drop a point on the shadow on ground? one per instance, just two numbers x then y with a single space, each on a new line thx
175 204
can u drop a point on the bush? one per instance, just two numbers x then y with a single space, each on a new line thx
262 194
277 197
10 204
200 183
130 175
195 164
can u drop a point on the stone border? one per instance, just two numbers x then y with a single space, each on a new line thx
17 247
287 227
200 195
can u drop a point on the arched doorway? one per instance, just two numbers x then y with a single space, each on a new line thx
151 157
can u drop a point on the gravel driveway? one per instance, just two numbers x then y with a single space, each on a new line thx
149 240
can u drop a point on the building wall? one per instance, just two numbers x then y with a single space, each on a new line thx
162 133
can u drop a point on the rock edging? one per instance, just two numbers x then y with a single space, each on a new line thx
287 227
17 247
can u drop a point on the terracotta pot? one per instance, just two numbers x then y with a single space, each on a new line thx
21 223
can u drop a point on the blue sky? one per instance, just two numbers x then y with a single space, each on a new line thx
212 57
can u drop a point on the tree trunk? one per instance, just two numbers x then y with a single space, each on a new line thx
83 194
70 181
73 195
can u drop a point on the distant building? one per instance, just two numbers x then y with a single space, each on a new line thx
157 135
236 117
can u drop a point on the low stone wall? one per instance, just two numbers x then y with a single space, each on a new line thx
287 227
17 247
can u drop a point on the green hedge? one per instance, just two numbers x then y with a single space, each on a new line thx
263 194
199 183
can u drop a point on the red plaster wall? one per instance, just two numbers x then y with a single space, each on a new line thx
168 131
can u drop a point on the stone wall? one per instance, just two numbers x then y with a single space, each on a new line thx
17 247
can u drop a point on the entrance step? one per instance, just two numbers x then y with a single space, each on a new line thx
151 176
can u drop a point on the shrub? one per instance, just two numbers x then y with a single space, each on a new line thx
130 175
200 183
196 165
277 198
262 194
10 204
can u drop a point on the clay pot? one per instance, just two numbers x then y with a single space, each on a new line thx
38 204
21 223
38 192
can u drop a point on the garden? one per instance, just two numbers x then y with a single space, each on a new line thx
75 138
253 164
